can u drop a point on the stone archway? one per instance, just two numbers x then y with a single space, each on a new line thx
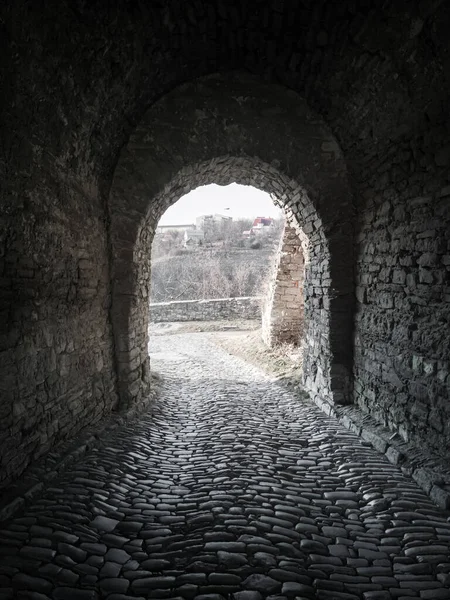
283 308
234 128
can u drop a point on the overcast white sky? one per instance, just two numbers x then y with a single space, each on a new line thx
240 200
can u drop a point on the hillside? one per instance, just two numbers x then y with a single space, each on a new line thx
201 273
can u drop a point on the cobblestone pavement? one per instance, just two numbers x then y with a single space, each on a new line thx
230 488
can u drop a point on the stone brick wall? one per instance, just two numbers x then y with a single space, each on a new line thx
57 362
282 318
245 307
402 367
77 80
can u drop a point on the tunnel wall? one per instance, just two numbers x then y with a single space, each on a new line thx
402 341
57 372
77 77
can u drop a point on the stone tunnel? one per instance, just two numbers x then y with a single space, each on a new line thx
110 112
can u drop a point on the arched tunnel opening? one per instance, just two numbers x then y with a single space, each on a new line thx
217 481
216 266
212 245
143 170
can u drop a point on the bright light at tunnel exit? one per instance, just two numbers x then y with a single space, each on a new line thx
234 200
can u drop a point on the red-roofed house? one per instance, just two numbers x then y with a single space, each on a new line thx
262 225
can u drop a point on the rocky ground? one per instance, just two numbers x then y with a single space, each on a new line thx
230 487
284 362
242 326
243 338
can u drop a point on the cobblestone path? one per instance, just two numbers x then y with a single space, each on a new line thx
231 488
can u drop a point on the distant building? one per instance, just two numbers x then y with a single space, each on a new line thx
261 226
193 237
213 226
166 228
203 220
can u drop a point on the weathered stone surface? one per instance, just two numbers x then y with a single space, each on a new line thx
282 319
68 250
206 310
224 440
